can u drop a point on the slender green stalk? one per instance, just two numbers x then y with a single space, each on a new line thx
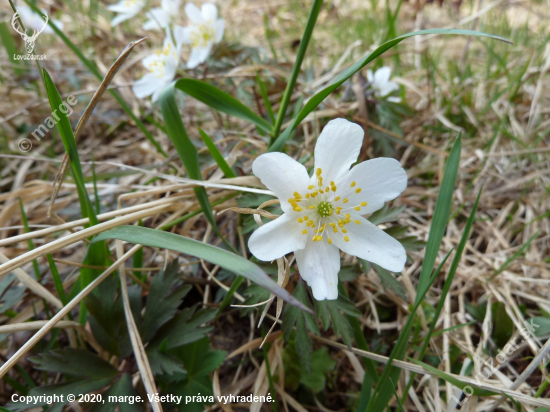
311 20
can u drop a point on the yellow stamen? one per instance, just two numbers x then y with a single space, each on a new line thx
363 204
346 238
358 190
300 220
306 218
310 187
319 171
337 198
357 222
357 208
344 231
352 184
329 240
304 231
345 200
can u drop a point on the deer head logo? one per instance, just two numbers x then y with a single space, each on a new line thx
29 40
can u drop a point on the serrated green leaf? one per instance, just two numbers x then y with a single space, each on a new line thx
162 305
321 364
64 361
303 344
340 323
213 254
389 282
122 389
386 214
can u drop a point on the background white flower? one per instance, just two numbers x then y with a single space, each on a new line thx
160 17
381 84
33 21
126 9
323 213
205 31
162 67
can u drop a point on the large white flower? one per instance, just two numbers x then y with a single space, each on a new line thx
33 21
381 84
323 213
162 67
160 17
126 9
205 31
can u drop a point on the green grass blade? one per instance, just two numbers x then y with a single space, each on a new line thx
218 157
221 101
57 280
265 97
95 71
30 243
312 103
304 43
447 285
213 254
186 151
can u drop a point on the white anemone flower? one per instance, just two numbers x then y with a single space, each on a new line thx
381 84
162 67
160 17
322 214
126 9
205 31
33 21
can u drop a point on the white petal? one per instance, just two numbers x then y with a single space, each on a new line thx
370 76
158 91
220 27
381 180
119 18
382 75
182 35
371 243
209 12
387 88
282 175
151 60
198 56
337 148
319 264
194 13
170 69
277 238
394 99
146 86
158 19
171 6
121 7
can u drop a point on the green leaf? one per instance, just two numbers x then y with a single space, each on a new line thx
225 168
162 305
386 214
451 379
389 282
199 360
316 99
213 254
220 100
503 326
65 360
123 390
540 325
321 364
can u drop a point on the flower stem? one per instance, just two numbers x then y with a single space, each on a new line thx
304 42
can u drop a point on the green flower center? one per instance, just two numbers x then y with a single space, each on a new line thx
324 209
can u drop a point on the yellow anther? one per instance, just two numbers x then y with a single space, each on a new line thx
331 183
357 222
327 189
298 209
357 208
307 195
344 231
320 181
358 190
363 204
312 207
346 238
316 231
332 224
300 220
304 231
337 198
291 200
310 187
297 195
306 218
329 240
319 171
335 230
314 193
348 215
352 184
333 188
321 190
346 200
